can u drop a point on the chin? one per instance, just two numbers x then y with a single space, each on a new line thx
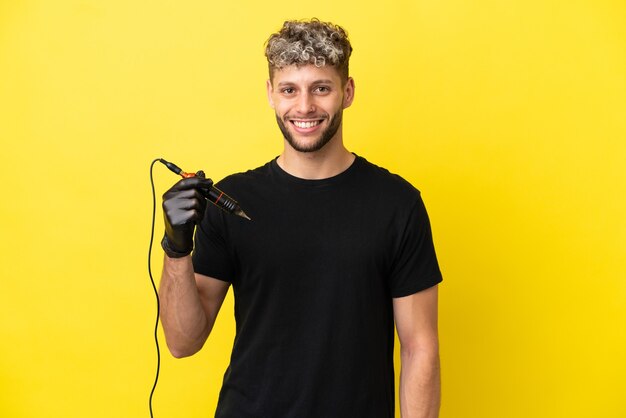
310 143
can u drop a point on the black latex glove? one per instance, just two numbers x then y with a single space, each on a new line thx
183 207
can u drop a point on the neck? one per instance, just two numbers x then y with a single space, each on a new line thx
331 160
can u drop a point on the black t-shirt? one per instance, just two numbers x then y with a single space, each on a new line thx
313 276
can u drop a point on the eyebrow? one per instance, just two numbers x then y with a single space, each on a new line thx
323 82
289 83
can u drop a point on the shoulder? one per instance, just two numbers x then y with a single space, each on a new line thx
383 181
246 178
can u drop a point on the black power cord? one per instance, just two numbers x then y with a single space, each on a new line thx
218 198
156 293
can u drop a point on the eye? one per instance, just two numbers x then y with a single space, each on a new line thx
322 89
288 90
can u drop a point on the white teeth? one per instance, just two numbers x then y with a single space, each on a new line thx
306 125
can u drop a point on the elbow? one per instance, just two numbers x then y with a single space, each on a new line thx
425 359
185 347
429 349
420 356
178 353
181 344
182 352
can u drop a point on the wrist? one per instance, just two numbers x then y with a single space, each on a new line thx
170 252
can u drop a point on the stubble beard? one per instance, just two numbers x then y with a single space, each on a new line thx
323 139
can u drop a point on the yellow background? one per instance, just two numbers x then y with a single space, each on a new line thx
509 116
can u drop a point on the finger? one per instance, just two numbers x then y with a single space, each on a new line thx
193 193
206 184
187 216
192 199
178 217
190 183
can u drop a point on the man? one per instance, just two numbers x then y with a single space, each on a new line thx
337 249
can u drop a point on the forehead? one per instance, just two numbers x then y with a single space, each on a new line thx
305 74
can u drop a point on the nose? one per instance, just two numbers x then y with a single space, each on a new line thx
305 103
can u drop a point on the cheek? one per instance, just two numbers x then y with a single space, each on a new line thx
282 108
335 103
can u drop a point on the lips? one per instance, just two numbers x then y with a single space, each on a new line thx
306 126
310 124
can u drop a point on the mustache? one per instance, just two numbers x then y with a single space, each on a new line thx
288 117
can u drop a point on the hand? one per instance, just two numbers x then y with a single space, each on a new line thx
183 207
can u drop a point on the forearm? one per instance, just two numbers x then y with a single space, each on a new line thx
420 384
184 320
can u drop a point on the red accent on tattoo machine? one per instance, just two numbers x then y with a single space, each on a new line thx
213 194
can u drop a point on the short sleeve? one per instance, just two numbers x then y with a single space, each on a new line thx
210 255
415 265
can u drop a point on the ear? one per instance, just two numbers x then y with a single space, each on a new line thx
348 93
270 90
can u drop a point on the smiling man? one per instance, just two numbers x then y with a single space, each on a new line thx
337 252
308 111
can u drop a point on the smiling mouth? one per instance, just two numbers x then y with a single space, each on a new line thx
306 124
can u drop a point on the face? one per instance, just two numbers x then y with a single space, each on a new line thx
309 103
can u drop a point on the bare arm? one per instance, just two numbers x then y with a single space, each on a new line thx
420 384
189 305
